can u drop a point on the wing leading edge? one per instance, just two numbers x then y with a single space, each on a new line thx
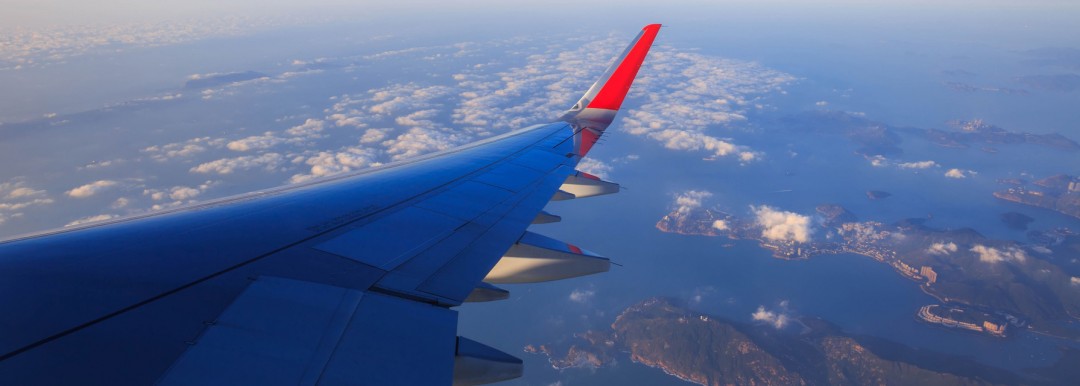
345 280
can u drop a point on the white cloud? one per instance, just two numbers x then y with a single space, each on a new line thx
256 142
91 189
689 140
373 135
878 161
121 202
821 103
86 220
183 149
720 225
993 255
595 167
955 173
24 192
329 163
268 161
1074 281
9 206
310 128
181 193
690 200
582 295
419 141
918 165
942 248
782 226
776 319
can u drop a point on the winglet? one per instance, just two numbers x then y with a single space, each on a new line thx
597 108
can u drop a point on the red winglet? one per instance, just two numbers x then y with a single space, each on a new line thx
615 88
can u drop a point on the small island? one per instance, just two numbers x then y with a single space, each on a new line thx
713 351
877 194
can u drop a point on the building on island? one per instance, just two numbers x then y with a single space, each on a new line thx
929 274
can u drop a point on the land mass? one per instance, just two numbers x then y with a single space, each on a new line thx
876 138
1059 193
1023 285
713 351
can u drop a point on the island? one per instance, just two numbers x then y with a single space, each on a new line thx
1059 193
877 194
1020 286
709 350
876 138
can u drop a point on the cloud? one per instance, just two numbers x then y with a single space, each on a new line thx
329 163
993 255
720 225
595 167
690 200
373 135
582 296
419 141
183 149
942 248
782 226
91 189
821 103
310 128
86 220
918 165
24 192
267 161
689 140
956 173
1074 281
9 206
699 294
777 319
258 142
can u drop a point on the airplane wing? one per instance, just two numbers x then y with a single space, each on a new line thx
346 280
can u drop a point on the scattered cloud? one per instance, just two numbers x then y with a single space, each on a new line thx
329 163
720 225
91 219
1074 281
582 296
942 248
699 294
781 225
690 200
918 165
595 167
776 318
182 149
419 141
91 189
957 173
266 161
993 255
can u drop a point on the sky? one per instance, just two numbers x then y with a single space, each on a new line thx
96 121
